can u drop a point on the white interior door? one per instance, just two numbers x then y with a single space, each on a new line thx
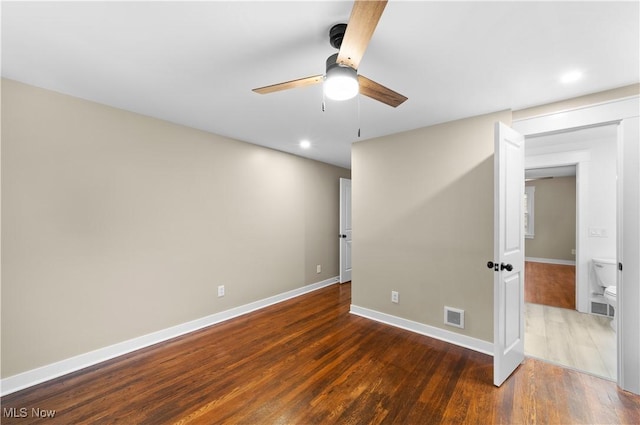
508 288
345 230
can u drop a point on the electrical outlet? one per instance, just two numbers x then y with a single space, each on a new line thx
221 291
573 251
318 268
395 297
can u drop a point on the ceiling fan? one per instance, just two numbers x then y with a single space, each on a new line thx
341 80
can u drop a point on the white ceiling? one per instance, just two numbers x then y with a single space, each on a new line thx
195 63
563 141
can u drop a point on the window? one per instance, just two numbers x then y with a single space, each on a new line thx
529 198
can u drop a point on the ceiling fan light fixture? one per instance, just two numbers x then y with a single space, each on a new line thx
340 82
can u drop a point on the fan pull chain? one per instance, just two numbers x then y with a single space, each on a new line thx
323 99
358 115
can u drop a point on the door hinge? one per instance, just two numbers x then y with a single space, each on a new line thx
620 266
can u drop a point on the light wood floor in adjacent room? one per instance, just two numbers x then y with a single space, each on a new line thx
578 340
556 332
309 361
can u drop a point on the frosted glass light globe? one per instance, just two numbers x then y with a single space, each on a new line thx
341 83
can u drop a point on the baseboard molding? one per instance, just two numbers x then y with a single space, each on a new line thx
54 370
430 331
550 261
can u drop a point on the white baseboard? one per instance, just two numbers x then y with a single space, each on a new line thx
550 261
430 331
54 370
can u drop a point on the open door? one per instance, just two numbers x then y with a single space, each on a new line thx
508 286
345 230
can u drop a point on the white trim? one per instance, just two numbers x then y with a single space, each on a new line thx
530 230
550 261
54 370
552 115
422 329
624 112
581 159
628 234
557 159
598 114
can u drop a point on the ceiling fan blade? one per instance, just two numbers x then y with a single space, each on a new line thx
363 21
301 82
379 92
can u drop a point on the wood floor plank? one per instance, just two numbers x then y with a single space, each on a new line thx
550 284
309 361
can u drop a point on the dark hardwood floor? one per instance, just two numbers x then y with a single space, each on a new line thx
308 361
550 284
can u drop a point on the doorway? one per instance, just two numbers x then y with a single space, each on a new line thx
572 334
550 236
345 230
624 114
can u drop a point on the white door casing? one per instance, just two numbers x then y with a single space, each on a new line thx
581 159
508 324
628 234
345 230
626 113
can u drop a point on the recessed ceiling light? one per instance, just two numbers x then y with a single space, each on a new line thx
305 144
571 77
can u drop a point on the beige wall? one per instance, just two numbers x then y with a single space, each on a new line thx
423 223
115 225
555 219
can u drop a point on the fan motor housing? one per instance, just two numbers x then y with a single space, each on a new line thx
332 62
336 34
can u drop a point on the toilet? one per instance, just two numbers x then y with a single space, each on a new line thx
605 272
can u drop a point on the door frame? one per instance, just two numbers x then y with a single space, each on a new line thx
626 113
581 160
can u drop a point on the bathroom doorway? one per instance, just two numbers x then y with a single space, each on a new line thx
550 236
622 113
573 178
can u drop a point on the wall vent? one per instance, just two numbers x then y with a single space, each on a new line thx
454 317
601 308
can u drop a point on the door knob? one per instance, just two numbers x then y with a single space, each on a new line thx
342 236
493 265
504 266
